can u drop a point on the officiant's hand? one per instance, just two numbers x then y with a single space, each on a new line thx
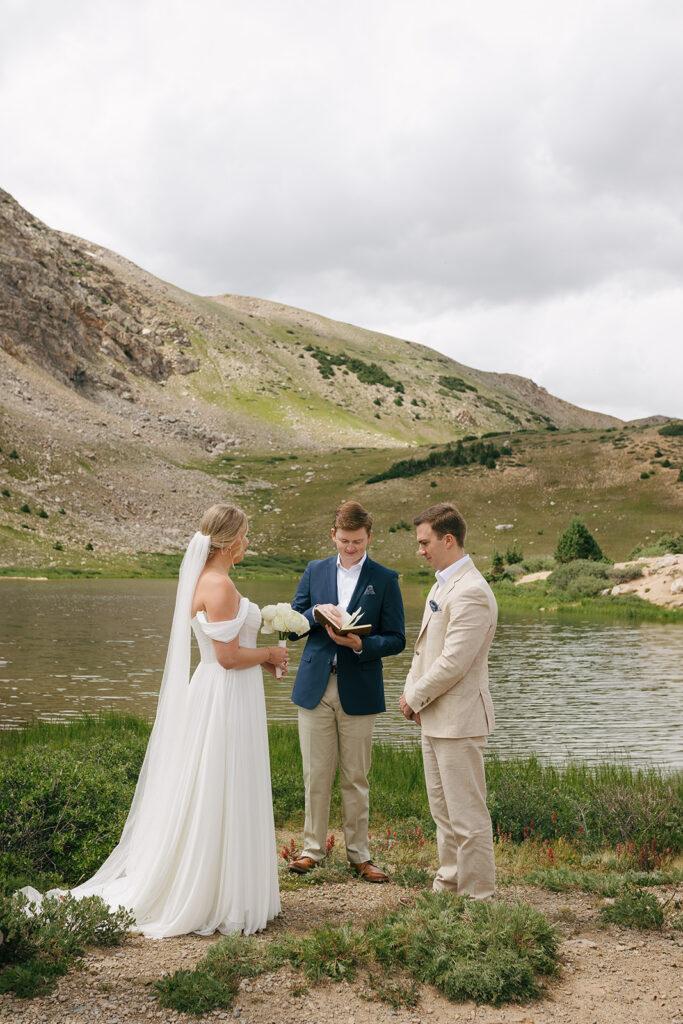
331 611
351 640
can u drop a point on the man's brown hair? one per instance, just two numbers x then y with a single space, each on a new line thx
444 518
351 515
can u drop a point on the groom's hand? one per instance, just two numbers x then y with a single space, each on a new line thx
405 707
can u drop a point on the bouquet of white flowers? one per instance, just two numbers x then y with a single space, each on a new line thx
283 620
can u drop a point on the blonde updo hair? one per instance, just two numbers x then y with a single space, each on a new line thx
223 524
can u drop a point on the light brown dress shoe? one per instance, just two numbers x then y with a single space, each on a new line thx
369 873
302 866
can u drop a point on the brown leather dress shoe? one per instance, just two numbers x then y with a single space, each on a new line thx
302 866
369 873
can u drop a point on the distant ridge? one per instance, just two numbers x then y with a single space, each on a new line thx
128 405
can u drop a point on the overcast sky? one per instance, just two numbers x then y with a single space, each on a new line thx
501 181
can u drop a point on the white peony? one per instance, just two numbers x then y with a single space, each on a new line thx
281 618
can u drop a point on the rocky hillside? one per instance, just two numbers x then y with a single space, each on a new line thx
121 394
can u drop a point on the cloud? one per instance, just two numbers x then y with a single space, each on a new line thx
510 173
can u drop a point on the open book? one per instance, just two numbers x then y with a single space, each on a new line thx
351 624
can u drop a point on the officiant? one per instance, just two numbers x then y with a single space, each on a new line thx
339 687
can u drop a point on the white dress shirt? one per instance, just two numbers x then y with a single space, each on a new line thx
443 575
347 580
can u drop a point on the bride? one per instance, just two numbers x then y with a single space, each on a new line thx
197 852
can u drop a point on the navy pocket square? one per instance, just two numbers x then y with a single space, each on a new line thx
433 605
369 590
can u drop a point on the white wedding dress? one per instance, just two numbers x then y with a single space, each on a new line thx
198 851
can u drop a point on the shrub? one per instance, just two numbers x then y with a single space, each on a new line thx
497 566
578 579
489 952
513 555
14 454
455 384
483 453
26 509
674 429
89 547
577 542
62 810
541 563
6 493
626 574
666 544
634 909
43 514
645 475
37 947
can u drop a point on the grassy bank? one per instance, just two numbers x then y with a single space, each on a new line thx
535 597
65 792
610 830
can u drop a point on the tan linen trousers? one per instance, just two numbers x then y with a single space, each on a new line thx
327 735
456 787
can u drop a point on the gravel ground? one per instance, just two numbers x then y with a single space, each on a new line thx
608 975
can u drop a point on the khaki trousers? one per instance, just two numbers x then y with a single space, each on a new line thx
328 734
456 787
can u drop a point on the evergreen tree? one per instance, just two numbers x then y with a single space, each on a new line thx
513 555
578 542
497 567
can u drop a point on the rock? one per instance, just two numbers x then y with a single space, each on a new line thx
665 561
505 526
677 585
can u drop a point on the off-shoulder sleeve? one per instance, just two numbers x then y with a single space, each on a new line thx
228 629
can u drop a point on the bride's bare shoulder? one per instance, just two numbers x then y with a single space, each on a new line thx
216 595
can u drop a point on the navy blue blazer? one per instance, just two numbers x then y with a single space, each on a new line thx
359 676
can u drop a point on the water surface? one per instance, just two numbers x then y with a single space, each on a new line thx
561 687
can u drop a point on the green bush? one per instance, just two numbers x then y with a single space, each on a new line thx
513 555
597 806
665 544
674 429
489 952
25 508
479 452
578 579
37 947
541 563
62 811
626 574
634 909
577 542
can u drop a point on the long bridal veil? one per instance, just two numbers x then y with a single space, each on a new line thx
148 834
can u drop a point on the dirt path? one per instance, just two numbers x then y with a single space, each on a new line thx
608 975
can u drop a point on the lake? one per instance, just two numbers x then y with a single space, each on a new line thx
562 687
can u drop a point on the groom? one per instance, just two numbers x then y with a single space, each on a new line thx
338 687
447 694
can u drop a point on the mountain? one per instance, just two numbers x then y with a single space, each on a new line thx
125 398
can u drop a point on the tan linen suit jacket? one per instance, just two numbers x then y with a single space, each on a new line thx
448 679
